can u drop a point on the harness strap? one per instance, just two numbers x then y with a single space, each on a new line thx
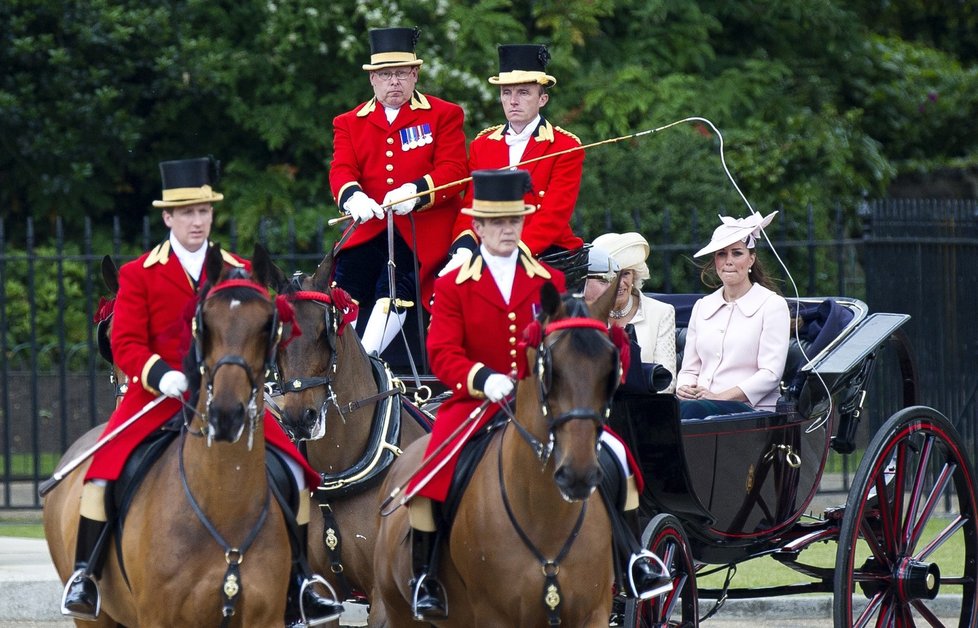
333 542
550 568
233 555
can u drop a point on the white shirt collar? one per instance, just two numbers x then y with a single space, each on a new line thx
192 261
502 269
391 113
527 131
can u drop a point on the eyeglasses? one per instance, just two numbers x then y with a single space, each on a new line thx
386 75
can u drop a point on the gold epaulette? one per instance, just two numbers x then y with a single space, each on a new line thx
531 265
367 108
159 255
231 260
419 101
568 133
470 269
490 130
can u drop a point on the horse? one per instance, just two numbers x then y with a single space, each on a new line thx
531 542
350 412
203 541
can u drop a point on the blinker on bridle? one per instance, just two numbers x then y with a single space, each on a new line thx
535 337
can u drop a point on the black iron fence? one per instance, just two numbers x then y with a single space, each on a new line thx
916 257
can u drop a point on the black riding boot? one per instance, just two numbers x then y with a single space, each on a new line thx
81 597
305 607
428 601
644 578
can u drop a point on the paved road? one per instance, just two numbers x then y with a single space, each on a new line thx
30 595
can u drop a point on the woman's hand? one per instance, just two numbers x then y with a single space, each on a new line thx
693 392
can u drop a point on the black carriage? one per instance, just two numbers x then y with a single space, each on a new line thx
727 489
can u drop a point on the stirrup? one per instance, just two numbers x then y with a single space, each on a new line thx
663 574
306 583
78 575
418 583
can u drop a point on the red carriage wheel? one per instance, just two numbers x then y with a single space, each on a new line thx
907 546
664 537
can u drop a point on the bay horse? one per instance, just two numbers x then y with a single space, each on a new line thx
353 418
202 541
531 541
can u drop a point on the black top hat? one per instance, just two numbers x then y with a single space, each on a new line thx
393 47
188 182
498 193
523 63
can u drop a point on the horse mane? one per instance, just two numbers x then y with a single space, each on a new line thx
590 345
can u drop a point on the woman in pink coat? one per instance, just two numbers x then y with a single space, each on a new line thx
737 339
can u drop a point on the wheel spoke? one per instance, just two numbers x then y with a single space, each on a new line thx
927 614
932 499
890 512
942 538
918 487
869 611
869 535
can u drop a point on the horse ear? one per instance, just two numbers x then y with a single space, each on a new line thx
214 263
264 269
323 274
550 302
603 304
110 274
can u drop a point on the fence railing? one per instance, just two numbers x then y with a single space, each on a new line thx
914 257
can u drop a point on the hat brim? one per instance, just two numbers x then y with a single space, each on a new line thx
731 235
518 77
370 67
213 198
629 249
497 209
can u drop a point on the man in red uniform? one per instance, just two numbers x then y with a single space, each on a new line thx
478 306
523 91
147 344
398 144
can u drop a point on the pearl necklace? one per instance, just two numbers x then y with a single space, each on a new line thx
623 312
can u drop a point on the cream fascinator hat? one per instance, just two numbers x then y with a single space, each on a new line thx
736 230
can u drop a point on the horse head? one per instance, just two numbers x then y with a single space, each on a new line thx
236 329
576 369
308 365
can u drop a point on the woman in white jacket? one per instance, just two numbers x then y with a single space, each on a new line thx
654 322
737 339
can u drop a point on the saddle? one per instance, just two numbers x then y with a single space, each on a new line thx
468 459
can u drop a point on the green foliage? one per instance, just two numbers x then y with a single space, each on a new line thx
50 305
819 103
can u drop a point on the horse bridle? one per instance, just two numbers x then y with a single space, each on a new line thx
337 315
535 337
208 373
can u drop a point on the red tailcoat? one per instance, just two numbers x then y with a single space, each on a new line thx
369 155
474 334
148 339
556 183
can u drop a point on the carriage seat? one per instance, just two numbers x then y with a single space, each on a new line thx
820 320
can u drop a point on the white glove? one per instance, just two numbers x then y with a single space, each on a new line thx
173 384
460 257
405 207
497 387
362 207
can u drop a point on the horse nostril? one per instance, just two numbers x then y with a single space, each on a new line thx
309 416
